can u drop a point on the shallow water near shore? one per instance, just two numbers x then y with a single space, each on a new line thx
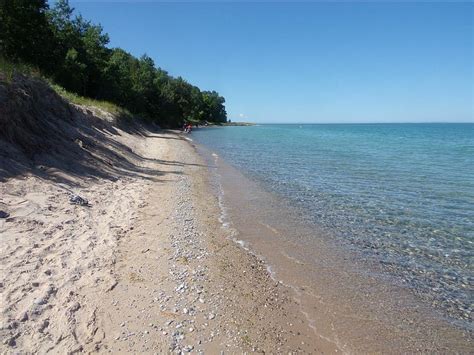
383 207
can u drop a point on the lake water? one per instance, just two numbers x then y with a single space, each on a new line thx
400 194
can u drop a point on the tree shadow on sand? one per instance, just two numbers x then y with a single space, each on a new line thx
43 135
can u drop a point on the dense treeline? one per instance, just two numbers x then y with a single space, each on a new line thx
73 52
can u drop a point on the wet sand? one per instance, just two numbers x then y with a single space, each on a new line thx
346 298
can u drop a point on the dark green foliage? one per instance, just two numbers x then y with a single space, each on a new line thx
74 53
25 34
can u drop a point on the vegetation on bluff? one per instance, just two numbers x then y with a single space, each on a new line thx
73 53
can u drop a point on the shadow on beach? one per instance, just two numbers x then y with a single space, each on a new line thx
43 135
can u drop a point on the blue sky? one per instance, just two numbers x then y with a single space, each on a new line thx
309 61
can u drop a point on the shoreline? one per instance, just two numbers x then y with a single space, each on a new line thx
349 299
151 266
145 268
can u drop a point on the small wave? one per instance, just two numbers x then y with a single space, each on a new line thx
295 260
241 243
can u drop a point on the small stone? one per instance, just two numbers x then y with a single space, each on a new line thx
43 325
211 316
39 301
4 214
10 341
23 317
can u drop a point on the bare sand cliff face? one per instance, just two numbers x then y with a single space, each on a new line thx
146 266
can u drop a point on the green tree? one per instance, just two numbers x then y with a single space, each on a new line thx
96 55
25 34
81 46
74 52
214 106
118 85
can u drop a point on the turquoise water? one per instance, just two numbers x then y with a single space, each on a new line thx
400 194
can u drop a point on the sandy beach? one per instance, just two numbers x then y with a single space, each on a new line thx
113 240
145 267
236 177
115 237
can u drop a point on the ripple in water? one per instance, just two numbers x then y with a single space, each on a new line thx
402 194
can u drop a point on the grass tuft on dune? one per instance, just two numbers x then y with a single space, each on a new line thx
88 102
8 71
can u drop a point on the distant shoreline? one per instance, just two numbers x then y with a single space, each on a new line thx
349 123
249 124
227 124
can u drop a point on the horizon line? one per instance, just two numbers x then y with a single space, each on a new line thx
408 122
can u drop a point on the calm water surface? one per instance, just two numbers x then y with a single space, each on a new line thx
402 194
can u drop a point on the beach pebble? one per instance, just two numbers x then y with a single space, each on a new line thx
188 348
23 317
39 301
10 341
43 325
4 214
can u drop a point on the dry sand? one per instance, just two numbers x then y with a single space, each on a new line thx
145 268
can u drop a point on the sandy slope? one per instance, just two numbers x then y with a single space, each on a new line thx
145 268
